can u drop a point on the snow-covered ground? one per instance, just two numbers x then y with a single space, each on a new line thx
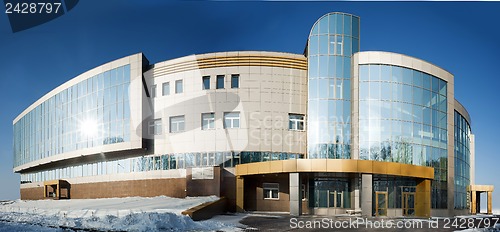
110 214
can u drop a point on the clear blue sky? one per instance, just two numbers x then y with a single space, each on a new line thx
462 38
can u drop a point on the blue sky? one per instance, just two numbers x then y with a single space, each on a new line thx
459 37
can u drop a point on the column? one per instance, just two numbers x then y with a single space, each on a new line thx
295 195
423 198
489 202
240 189
366 194
473 205
355 193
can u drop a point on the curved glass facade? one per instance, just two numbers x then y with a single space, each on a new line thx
91 113
462 160
333 40
402 118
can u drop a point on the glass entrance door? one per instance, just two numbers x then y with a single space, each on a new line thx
380 203
408 203
335 199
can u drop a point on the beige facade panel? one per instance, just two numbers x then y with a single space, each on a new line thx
336 165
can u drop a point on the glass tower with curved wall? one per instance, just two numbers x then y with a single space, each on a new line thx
332 41
462 160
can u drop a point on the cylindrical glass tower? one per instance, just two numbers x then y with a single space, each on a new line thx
332 41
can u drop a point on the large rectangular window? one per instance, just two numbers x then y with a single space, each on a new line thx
208 121
232 120
153 91
154 127
271 191
220 81
166 89
178 86
296 122
206 82
235 81
176 124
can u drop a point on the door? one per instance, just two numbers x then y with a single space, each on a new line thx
380 203
335 199
408 203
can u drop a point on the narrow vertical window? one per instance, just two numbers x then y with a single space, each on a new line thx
220 81
178 86
232 120
208 121
206 82
166 89
153 91
235 81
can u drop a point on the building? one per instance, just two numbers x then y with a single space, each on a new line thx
330 131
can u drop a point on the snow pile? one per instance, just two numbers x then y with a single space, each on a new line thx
112 214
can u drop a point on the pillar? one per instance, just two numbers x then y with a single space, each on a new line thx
489 202
366 194
240 188
423 198
295 195
473 204
355 196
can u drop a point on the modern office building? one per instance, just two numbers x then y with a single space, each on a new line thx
330 131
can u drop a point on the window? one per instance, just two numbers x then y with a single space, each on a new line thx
155 127
166 89
271 190
153 91
178 86
296 122
232 120
206 82
176 124
235 81
208 121
220 81
336 45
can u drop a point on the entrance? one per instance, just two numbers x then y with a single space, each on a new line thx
408 204
336 199
380 203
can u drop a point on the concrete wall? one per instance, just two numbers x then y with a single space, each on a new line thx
265 97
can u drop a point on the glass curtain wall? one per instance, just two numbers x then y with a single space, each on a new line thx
332 41
462 160
91 113
403 118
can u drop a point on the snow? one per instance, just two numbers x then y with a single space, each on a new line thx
115 214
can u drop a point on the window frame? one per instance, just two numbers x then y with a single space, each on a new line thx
153 91
209 120
203 84
233 77
270 188
163 88
232 119
177 124
181 89
153 126
218 80
296 122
